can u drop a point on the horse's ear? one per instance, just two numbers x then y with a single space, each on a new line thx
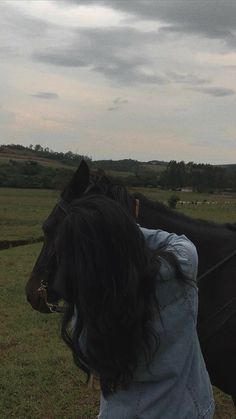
78 183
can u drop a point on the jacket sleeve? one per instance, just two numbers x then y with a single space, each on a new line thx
184 250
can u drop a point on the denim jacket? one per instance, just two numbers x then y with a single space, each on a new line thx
176 384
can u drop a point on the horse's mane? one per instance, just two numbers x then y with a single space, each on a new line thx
101 183
159 206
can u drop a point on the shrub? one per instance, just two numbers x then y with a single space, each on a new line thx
172 201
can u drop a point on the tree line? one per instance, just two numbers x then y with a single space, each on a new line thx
30 174
173 175
178 175
200 177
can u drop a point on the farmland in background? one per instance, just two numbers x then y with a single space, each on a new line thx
38 378
220 208
42 168
22 211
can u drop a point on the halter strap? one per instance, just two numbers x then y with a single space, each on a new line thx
52 307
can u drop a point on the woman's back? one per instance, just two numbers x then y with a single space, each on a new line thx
175 384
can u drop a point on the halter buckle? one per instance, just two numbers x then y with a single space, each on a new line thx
43 292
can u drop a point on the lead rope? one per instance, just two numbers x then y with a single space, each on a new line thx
213 268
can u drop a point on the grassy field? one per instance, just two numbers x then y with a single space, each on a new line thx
37 376
218 208
23 210
4 159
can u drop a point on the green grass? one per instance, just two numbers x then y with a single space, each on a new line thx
38 378
163 195
22 212
217 213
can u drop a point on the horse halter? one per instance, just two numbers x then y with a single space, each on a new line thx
43 289
43 292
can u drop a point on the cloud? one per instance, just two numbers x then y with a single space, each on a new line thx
66 58
117 104
187 78
215 91
46 95
124 55
113 108
116 53
119 101
129 56
19 31
209 18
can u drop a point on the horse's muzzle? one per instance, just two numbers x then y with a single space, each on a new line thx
34 296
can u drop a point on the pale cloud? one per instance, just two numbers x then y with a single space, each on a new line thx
116 53
187 78
54 13
215 91
45 95
117 104
210 18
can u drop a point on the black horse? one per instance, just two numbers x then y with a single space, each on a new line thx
216 245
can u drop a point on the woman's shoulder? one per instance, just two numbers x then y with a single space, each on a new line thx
179 245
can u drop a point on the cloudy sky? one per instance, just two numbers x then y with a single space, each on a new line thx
141 79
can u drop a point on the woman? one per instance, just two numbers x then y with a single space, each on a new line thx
132 309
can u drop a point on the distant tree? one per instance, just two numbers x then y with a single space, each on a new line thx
38 147
175 175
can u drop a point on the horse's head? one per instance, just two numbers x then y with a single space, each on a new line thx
38 289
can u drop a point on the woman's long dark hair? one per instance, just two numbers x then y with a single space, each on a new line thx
106 274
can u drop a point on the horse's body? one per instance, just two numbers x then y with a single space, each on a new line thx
217 290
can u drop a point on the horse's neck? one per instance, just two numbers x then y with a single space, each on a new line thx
203 234
155 217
